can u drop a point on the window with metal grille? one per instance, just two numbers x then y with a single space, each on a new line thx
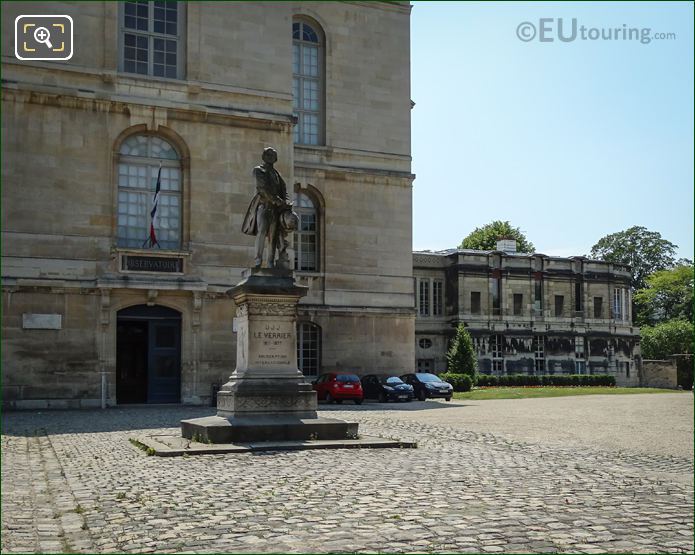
425 365
138 163
306 238
539 354
307 75
152 38
308 348
424 297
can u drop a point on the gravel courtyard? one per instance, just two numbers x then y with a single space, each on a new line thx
591 474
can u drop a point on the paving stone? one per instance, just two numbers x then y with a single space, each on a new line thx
74 483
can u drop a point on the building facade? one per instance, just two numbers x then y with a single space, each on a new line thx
527 313
93 314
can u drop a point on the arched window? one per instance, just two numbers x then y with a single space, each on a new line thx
306 238
308 348
307 89
138 167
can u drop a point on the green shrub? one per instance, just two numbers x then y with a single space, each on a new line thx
461 358
486 380
460 382
524 380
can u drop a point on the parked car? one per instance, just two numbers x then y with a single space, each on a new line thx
384 388
334 386
428 386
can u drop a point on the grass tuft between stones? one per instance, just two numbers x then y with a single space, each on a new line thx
142 446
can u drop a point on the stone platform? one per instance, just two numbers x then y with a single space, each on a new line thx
217 429
161 445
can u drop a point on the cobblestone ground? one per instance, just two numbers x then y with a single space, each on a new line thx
71 482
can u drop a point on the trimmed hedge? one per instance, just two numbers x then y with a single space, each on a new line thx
460 382
516 380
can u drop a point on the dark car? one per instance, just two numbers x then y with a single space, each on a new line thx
384 388
428 386
338 387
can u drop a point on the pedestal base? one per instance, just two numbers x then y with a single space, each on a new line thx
267 399
216 429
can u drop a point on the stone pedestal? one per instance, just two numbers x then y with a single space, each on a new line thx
266 398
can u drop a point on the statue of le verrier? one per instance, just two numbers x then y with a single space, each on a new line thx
269 216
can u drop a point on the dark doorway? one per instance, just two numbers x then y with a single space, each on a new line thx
148 355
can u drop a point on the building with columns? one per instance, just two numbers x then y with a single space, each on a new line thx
92 313
527 313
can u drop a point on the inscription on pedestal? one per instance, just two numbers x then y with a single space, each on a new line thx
273 344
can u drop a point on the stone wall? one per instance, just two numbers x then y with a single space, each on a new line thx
659 373
63 123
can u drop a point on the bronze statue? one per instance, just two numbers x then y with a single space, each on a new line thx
270 216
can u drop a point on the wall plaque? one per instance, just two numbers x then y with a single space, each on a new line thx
134 263
42 321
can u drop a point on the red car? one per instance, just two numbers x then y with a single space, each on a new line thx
338 387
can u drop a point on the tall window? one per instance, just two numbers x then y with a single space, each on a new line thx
308 348
306 238
539 354
495 291
437 297
559 305
152 38
538 293
424 297
578 296
620 303
598 307
306 82
138 166
475 302
579 355
496 342
518 303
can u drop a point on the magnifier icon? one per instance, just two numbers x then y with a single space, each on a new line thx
42 35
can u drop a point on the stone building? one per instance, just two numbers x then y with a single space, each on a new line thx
92 313
527 313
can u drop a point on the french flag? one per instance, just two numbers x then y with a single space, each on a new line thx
153 213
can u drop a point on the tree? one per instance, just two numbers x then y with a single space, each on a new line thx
668 338
668 295
485 238
644 251
461 357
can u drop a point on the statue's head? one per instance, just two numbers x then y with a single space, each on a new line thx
270 155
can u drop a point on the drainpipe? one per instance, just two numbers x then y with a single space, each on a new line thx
103 388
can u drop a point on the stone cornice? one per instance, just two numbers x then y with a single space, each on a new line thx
115 78
49 95
400 7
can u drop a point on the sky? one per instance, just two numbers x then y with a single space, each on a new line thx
568 140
